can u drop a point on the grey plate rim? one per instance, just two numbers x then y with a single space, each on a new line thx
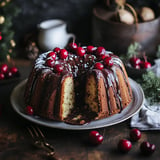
18 105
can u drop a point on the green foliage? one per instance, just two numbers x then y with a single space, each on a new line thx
151 87
8 11
133 49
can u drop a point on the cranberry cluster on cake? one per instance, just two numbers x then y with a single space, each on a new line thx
77 84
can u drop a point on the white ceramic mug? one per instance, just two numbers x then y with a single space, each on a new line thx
52 33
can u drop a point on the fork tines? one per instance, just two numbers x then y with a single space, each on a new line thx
39 139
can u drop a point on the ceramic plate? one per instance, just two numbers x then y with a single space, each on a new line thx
18 104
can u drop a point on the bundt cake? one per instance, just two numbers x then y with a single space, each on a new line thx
77 84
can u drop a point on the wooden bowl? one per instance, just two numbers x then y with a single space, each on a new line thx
117 36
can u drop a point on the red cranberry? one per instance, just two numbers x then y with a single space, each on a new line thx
80 51
57 49
137 66
90 49
51 55
108 61
135 61
124 145
58 68
104 56
2 76
72 46
147 148
50 62
14 70
100 51
29 110
146 65
99 66
3 68
63 54
9 74
135 134
95 138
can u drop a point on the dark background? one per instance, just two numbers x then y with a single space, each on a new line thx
77 14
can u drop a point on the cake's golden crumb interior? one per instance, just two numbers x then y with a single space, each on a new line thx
91 98
68 99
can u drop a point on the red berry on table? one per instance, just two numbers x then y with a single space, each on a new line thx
90 49
72 46
135 134
100 51
95 138
9 74
29 110
57 49
50 62
3 68
108 61
124 145
14 70
80 51
135 61
51 55
99 66
58 68
63 54
2 76
147 148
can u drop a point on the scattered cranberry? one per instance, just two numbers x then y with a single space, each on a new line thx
124 145
108 61
90 49
58 68
2 76
95 138
9 74
51 55
137 66
135 134
135 61
100 51
146 65
29 110
80 51
63 54
14 70
147 148
50 62
3 68
57 49
99 66
72 46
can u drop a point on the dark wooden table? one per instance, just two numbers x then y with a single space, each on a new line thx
16 143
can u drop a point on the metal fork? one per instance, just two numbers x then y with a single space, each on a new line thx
40 141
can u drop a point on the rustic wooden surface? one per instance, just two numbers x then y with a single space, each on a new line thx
16 143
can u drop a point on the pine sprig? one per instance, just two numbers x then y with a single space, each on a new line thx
151 87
